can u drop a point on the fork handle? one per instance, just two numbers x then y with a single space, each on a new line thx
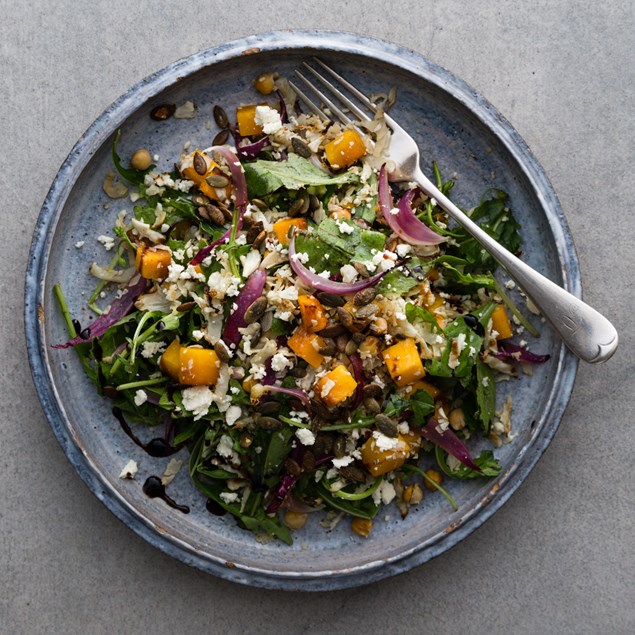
587 333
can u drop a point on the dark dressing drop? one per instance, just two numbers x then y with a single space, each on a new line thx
154 488
157 447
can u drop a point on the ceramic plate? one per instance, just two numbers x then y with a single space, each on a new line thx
456 127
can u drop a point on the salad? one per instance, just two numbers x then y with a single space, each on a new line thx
319 339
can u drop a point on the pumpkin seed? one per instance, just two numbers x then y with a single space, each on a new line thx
373 391
386 425
200 199
329 349
300 147
270 408
245 439
333 330
212 213
162 112
346 318
308 461
341 342
260 239
217 180
222 350
220 117
364 297
339 446
350 347
268 423
300 206
292 466
362 270
298 372
358 338
314 202
255 310
372 406
330 299
185 306
200 164
254 231
366 311
221 138
353 473
259 203
267 321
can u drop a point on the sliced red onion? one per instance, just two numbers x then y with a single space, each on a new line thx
358 372
240 190
118 309
511 351
404 223
249 150
284 118
294 392
448 441
249 293
324 284
270 375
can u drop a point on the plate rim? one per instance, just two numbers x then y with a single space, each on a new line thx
99 131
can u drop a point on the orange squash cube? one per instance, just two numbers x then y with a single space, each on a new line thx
169 362
153 263
380 461
433 391
314 316
246 120
265 83
404 362
198 366
345 149
281 228
199 179
307 346
336 386
500 323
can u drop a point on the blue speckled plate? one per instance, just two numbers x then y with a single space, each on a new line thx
456 127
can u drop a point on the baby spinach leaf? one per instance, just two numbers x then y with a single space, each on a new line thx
396 282
485 394
486 461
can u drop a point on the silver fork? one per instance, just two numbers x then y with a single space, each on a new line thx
587 333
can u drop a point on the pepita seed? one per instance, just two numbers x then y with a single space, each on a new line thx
339 446
350 347
329 349
362 270
259 203
298 372
267 321
254 231
366 311
243 422
353 473
221 138
346 319
222 350
332 330
373 390
229 217
386 425
202 212
269 408
308 461
213 214
364 297
200 164
300 206
220 117
186 306
330 299
268 423
314 202
358 338
200 199
162 112
260 239
245 440
372 406
217 180
255 310
341 343
300 147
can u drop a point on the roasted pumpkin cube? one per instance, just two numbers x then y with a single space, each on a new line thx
345 149
307 346
265 83
500 323
404 362
170 360
246 120
314 315
153 262
336 386
378 460
198 366
433 391
199 179
282 227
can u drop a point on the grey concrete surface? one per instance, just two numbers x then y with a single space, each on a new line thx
560 556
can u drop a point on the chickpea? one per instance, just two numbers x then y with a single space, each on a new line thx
457 419
434 476
141 159
413 494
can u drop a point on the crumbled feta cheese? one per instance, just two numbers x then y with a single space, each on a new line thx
280 362
185 111
229 497
329 384
383 442
149 349
343 462
268 118
305 436
301 257
130 470
197 400
344 227
107 241
79 244
140 397
232 415
403 250
349 273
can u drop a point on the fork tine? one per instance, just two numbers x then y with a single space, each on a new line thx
307 100
332 106
338 93
353 89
